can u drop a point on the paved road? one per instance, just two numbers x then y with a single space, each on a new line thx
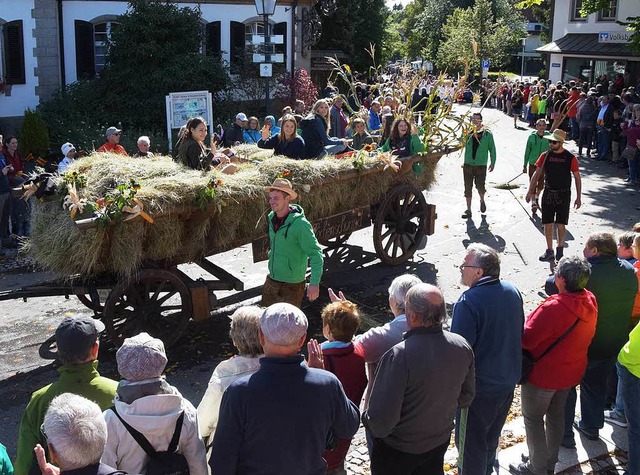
507 226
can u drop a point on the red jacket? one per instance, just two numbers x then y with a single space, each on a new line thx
15 160
113 148
563 366
572 104
348 365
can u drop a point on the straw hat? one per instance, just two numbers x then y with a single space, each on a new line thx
557 135
282 184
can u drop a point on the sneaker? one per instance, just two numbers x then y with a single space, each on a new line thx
547 256
615 418
467 214
559 253
483 207
588 433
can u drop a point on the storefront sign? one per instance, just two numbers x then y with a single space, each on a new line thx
555 65
615 36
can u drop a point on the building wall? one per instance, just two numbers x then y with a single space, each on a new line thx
563 25
47 49
89 11
22 96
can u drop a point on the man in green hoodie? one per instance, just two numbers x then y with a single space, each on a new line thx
536 146
476 155
292 246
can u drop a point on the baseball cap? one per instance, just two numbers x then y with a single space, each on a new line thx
112 130
283 324
242 116
66 148
76 335
141 357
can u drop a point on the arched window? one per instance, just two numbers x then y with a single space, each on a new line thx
93 40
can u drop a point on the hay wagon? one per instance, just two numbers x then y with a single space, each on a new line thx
161 295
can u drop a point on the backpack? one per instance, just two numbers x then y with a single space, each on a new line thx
169 462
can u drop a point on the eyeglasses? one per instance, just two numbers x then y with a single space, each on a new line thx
464 266
43 433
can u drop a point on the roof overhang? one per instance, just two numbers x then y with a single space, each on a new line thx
587 44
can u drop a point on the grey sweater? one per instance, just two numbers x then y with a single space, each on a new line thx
418 387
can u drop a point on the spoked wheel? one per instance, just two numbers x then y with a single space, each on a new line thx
155 301
400 224
335 241
94 299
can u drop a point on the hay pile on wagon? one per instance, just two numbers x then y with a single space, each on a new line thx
195 213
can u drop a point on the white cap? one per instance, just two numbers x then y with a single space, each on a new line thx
242 116
66 148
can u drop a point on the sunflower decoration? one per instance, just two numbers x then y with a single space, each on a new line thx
390 161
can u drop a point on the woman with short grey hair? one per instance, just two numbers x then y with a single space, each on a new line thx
245 323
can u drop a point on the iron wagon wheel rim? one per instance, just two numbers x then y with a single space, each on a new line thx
154 301
400 224
335 241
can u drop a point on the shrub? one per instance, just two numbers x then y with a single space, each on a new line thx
297 86
34 136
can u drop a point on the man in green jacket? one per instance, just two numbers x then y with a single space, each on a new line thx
77 341
292 246
476 155
536 146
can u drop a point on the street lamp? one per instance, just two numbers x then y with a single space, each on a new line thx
524 42
266 8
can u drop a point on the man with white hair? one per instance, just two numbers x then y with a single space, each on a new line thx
419 385
75 434
144 144
278 419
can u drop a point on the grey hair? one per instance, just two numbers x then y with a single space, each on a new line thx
400 286
76 430
575 270
421 303
486 258
245 323
145 139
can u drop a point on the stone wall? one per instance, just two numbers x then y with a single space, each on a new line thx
47 50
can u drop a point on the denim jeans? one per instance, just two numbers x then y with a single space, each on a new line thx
593 392
543 412
478 435
575 128
604 143
631 396
634 174
332 150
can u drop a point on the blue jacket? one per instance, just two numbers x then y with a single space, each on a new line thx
4 180
491 317
252 136
275 130
374 121
293 149
314 133
276 421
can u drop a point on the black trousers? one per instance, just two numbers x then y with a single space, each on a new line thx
386 460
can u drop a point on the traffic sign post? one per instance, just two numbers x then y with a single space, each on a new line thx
485 68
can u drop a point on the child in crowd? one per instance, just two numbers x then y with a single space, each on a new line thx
340 321
625 247
542 107
360 137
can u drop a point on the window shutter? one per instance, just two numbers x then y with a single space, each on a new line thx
14 52
237 46
85 60
213 46
281 29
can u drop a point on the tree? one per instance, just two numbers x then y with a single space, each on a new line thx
485 31
156 50
353 27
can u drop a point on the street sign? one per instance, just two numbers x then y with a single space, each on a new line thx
275 58
275 39
485 64
265 70
259 58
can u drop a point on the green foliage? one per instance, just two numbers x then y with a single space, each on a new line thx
34 136
485 31
353 27
155 51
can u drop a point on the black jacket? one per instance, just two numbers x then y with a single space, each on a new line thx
233 134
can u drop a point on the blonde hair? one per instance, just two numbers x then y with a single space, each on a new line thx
315 107
288 118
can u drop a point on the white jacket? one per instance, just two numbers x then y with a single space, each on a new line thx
225 373
155 417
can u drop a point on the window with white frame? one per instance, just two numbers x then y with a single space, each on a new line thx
610 13
576 6
101 41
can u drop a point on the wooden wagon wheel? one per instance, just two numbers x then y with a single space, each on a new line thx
400 224
336 241
155 301
93 300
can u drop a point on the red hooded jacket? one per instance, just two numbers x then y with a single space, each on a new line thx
565 364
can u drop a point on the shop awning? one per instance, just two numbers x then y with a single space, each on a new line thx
587 44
